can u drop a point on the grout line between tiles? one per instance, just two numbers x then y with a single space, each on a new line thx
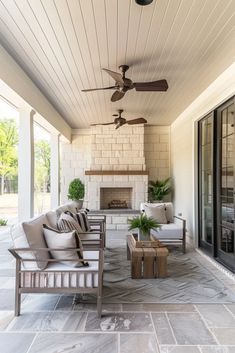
213 335
36 335
230 312
171 328
155 332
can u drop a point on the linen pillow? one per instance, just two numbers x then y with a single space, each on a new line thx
60 240
34 234
158 212
67 223
82 219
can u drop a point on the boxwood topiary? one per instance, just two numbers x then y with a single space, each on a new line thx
76 190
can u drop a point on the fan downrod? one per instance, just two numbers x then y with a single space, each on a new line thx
123 69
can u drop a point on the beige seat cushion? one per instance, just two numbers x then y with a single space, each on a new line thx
34 233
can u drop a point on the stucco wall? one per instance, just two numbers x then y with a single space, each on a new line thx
184 146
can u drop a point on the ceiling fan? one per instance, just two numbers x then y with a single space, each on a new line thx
123 84
119 121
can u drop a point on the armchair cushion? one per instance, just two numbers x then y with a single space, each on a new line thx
82 219
168 231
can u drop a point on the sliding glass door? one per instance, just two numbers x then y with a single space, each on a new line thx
225 245
216 176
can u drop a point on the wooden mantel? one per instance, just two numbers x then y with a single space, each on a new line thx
116 172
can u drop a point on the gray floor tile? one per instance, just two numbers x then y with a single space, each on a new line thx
179 349
218 349
216 315
93 307
231 307
123 322
5 318
189 329
75 343
65 303
15 342
66 321
7 299
159 307
40 302
138 343
31 322
225 336
163 329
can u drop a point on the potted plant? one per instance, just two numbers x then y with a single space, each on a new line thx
76 192
159 189
144 224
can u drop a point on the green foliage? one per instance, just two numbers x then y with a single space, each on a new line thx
76 190
143 223
8 149
3 222
42 165
158 189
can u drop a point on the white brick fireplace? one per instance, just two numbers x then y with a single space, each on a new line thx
117 161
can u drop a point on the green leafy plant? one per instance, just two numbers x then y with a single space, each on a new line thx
143 223
76 190
159 188
3 222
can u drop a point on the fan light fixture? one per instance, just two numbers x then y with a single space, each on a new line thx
143 2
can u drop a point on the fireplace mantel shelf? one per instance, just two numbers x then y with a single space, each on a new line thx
116 172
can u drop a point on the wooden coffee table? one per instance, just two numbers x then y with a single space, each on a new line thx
147 260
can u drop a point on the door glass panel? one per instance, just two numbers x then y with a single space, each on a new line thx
206 215
226 252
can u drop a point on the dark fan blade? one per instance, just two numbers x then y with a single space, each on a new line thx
97 89
115 75
137 121
117 95
103 124
160 85
120 124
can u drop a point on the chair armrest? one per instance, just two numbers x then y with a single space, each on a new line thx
184 223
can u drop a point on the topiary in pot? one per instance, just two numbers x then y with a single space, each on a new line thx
144 224
76 191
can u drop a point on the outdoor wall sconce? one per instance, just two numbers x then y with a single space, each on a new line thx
143 2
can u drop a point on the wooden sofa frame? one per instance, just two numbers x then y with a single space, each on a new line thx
25 279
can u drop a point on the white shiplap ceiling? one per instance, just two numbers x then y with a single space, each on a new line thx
63 44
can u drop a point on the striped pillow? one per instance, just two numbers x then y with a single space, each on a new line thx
69 240
82 219
67 223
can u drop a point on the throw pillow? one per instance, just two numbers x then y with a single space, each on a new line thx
67 223
158 212
82 219
60 240
34 234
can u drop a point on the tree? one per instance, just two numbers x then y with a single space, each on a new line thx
8 149
42 165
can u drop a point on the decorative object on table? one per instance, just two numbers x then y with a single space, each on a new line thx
159 189
76 192
144 224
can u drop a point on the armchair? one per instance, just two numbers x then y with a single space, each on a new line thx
173 228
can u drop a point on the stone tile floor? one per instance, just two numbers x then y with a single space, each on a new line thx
55 324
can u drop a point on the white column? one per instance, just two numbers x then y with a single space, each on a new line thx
26 165
55 170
